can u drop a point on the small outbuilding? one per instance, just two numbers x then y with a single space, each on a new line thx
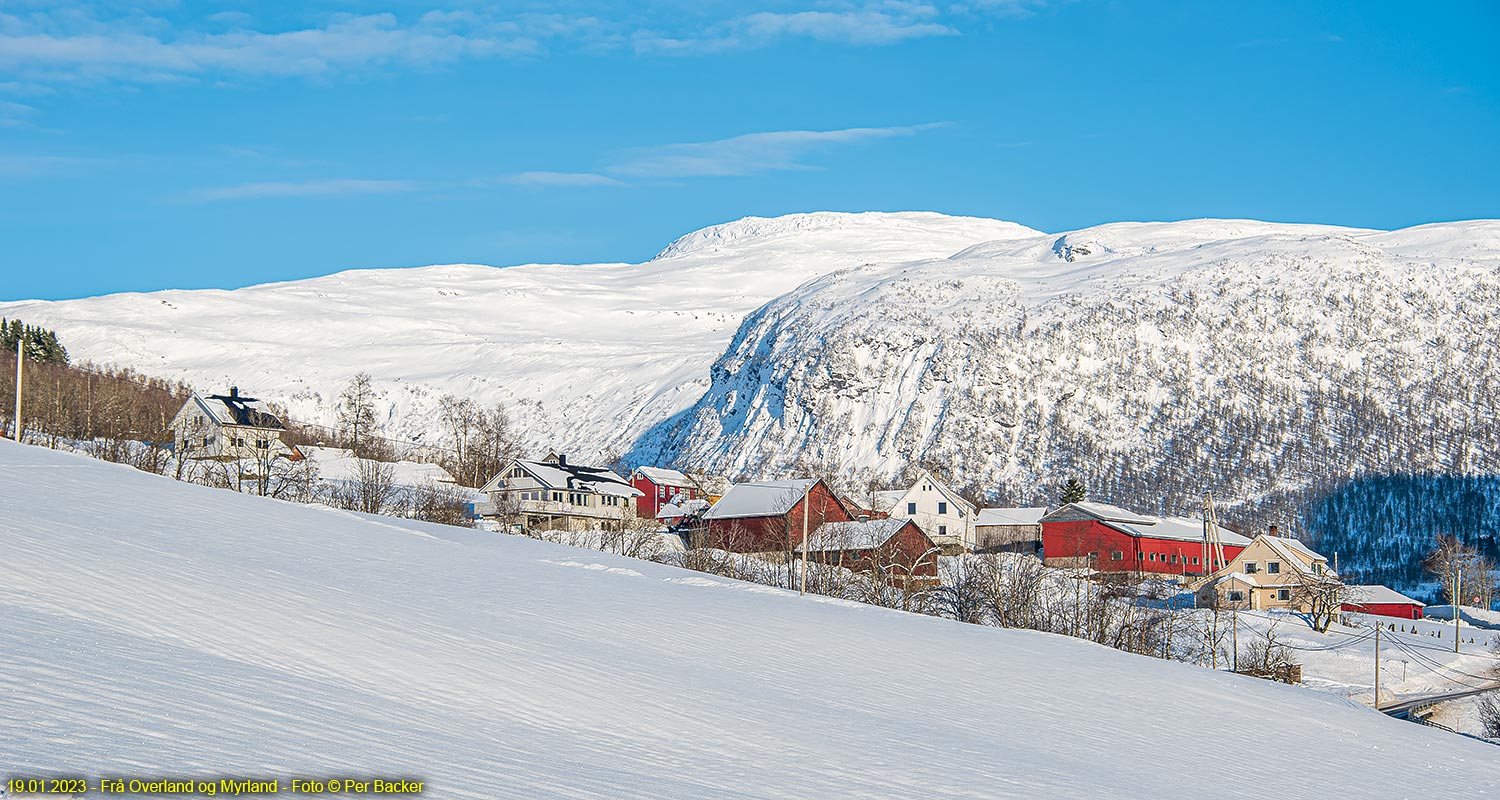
895 548
1382 601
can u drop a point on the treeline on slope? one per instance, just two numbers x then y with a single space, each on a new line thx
123 416
122 413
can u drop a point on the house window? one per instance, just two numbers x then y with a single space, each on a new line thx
1236 596
557 497
237 442
1283 594
942 530
262 444
1116 555
208 441
1251 568
1318 568
1153 556
942 507
1273 567
911 508
1174 558
1196 559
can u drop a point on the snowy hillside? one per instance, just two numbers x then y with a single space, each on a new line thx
282 640
586 357
1155 360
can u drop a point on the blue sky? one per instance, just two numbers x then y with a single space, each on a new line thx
156 144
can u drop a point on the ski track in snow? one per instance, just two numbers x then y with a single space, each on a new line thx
159 628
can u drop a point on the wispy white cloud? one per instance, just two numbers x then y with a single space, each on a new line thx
544 179
886 24
348 43
311 188
22 165
747 154
16 115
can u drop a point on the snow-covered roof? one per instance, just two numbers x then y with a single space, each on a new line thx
887 499
835 536
340 464
1248 580
1010 516
237 409
1179 529
1105 512
760 499
1378 595
1285 547
683 509
661 476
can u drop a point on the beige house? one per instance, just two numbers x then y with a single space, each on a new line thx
1266 574
554 494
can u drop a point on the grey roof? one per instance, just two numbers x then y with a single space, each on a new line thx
760 499
1182 529
1010 516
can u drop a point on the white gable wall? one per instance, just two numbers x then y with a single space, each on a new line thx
944 516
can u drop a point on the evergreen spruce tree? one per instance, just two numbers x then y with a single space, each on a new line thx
39 344
1073 492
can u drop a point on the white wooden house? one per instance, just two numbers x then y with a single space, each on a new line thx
228 427
945 517
555 494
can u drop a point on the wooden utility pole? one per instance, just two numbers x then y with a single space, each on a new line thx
806 512
1377 666
1234 622
1458 601
20 343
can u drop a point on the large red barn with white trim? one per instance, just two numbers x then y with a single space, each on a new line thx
1111 539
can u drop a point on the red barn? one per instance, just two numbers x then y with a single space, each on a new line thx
1111 539
768 516
1382 601
896 549
662 486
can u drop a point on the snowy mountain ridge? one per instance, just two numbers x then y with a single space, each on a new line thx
1155 360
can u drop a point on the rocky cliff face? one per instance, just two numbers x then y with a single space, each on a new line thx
1155 361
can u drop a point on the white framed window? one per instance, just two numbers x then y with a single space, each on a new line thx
1116 555
911 508
1273 567
1236 596
1251 567
1283 594
942 530
942 507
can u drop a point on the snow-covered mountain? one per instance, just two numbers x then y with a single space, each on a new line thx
154 628
1160 360
586 357
1154 360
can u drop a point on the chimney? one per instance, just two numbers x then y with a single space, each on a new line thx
234 391
1274 531
562 459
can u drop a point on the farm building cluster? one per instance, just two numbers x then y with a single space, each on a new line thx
901 532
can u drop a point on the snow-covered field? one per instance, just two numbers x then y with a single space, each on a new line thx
152 627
